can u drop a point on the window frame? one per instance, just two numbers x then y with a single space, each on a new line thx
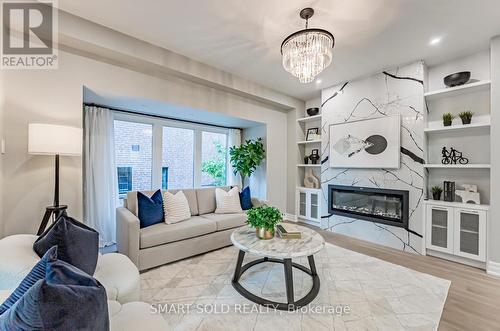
157 142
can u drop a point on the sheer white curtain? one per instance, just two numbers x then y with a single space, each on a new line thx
100 178
233 139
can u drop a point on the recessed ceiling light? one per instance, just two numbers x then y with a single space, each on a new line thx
434 41
318 81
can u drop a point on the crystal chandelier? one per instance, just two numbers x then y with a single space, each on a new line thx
307 52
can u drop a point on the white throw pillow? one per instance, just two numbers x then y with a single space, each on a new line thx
175 207
228 202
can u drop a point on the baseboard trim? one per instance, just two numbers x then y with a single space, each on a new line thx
290 217
493 268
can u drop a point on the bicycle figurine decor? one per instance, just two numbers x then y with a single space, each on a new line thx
453 156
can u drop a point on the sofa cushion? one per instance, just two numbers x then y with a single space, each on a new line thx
246 198
228 202
150 209
176 207
191 198
63 300
76 243
206 199
163 233
227 221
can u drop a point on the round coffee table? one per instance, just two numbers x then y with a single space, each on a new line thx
282 251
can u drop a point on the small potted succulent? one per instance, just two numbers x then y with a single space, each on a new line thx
466 117
264 219
436 192
447 119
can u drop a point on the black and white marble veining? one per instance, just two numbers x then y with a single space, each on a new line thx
398 91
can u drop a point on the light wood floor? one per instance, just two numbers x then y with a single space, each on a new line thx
473 301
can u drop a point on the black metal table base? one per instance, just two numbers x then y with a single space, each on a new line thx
291 304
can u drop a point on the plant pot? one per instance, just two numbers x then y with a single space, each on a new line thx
264 234
447 123
466 120
312 111
436 196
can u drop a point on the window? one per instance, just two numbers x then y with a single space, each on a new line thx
152 153
178 156
164 178
133 155
213 159
124 180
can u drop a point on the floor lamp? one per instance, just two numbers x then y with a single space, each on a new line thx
57 140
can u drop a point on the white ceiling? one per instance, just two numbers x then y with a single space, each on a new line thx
243 36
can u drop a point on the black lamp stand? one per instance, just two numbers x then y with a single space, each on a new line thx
55 210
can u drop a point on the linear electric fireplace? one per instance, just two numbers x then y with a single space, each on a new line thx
370 204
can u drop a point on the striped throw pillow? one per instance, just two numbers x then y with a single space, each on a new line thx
176 207
227 202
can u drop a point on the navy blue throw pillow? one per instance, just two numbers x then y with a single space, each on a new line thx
246 199
150 209
37 273
66 299
76 243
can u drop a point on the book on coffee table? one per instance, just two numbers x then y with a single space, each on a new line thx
285 233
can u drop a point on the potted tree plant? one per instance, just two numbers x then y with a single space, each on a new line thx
264 219
247 157
436 192
466 117
447 119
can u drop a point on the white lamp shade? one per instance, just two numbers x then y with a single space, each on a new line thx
49 139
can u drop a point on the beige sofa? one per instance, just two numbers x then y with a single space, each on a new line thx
163 243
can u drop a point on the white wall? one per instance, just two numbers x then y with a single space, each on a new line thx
258 180
494 229
55 96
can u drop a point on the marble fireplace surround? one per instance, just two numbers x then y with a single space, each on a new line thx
395 91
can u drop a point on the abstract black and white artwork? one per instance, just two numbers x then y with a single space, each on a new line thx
371 143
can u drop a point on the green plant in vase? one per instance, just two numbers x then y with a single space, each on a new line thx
436 192
247 157
447 119
466 117
264 219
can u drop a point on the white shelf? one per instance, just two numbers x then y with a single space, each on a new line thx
309 189
309 165
479 125
304 142
462 89
309 119
457 204
457 166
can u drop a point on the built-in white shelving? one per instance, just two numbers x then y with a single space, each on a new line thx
462 89
457 166
305 142
308 165
479 125
457 204
309 119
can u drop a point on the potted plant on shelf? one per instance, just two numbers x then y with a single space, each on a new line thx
436 192
447 119
466 117
264 219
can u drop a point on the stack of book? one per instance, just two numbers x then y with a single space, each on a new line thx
287 234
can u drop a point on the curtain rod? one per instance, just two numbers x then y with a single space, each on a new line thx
156 116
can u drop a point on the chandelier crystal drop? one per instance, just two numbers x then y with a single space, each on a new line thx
307 52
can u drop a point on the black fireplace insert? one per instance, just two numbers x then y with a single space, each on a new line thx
378 205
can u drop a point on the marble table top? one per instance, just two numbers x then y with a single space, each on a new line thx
311 242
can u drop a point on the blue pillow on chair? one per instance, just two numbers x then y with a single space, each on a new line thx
76 243
37 273
150 210
246 199
66 299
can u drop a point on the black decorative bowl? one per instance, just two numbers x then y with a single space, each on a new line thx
457 79
312 111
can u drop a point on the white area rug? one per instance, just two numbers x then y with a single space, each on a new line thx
196 294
